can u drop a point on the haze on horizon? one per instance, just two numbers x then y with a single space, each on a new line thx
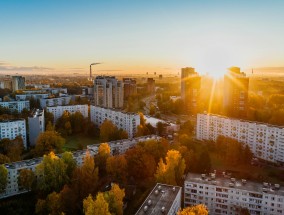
140 36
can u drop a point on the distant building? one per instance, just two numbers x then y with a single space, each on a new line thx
150 85
225 195
59 110
6 82
108 92
123 120
169 127
190 89
163 199
265 141
36 125
236 86
18 83
58 101
13 128
27 96
16 105
160 76
130 87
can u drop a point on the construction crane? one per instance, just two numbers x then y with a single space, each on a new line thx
92 64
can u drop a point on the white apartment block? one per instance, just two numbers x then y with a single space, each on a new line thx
266 141
14 169
225 195
49 102
12 128
163 199
37 96
36 125
108 92
59 110
123 120
16 105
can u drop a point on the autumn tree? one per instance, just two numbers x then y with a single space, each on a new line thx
114 197
204 162
109 132
67 158
4 159
48 118
97 206
51 173
49 141
172 170
101 158
194 210
50 206
77 121
158 149
116 167
3 178
26 179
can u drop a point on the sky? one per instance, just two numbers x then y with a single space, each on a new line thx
140 36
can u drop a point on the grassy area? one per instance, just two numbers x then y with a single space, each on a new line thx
76 142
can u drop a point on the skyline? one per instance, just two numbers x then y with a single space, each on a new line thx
140 37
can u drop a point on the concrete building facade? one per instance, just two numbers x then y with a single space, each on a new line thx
123 120
58 101
265 141
36 125
16 105
59 110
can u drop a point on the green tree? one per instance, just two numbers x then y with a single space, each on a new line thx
48 117
26 179
3 178
67 158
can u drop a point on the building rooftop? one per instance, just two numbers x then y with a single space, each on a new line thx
11 120
116 110
160 200
226 181
242 120
36 113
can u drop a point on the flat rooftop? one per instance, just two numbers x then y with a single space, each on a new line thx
161 196
227 181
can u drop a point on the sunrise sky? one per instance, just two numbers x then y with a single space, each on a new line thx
140 36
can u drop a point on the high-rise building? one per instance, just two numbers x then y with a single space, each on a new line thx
18 83
108 92
236 86
130 87
36 125
190 89
13 128
150 85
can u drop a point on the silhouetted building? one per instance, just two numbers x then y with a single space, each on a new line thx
190 88
130 87
151 85
18 83
235 101
108 92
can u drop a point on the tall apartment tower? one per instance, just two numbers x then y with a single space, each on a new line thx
236 86
190 89
130 87
108 92
151 85
18 83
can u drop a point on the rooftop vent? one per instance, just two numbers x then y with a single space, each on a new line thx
277 186
174 189
213 175
264 190
163 209
233 180
149 202
244 181
145 208
159 187
203 176
156 192
231 184
214 182
265 184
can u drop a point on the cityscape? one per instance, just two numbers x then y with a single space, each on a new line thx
141 107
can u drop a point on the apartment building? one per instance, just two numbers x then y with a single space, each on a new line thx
117 147
59 110
36 125
108 92
225 195
123 120
16 105
163 199
26 96
18 83
130 87
265 141
58 101
12 128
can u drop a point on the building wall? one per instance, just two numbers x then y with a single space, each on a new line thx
125 121
18 83
266 141
13 128
23 97
59 110
36 126
55 101
16 105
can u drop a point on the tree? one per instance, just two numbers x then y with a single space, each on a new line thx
101 158
51 173
4 159
98 206
172 170
114 197
50 206
116 167
67 158
161 128
107 131
204 162
49 141
3 178
194 210
26 179
48 117
15 149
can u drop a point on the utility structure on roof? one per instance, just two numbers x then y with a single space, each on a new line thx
92 64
